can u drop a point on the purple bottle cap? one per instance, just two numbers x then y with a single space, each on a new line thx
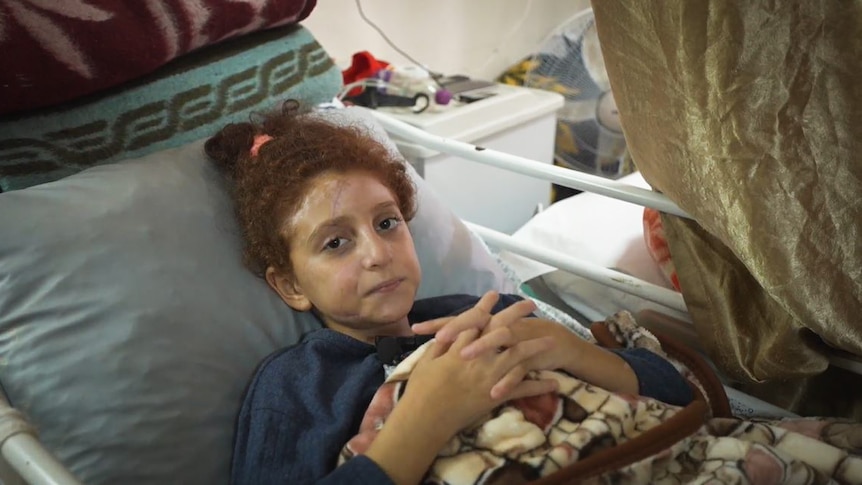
442 97
385 74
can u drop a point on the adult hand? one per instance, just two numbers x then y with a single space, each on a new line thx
505 329
571 353
503 334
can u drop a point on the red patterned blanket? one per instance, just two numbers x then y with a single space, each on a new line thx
55 51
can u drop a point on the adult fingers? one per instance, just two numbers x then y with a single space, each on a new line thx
435 349
430 327
525 350
487 302
464 338
476 317
468 320
513 313
517 361
509 382
489 342
498 333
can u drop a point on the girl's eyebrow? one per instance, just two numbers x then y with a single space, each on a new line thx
326 226
385 205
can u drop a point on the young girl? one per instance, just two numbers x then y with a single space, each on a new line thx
324 211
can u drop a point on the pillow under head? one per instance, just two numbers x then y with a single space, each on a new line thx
128 325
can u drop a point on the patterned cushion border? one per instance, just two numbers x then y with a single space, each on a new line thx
187 100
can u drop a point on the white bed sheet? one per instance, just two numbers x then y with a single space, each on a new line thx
605 231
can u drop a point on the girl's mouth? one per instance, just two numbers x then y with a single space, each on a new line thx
387 286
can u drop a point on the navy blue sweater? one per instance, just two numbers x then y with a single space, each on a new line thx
306 401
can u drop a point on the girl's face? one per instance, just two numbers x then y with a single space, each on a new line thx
352 256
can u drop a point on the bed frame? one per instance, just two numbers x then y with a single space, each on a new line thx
25 461
581 181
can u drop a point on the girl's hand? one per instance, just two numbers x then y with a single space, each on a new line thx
479 317
503 334
578 357
454 393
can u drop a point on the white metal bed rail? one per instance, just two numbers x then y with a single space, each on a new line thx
23 460
575 180
532 168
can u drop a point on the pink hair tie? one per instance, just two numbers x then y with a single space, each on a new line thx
259 141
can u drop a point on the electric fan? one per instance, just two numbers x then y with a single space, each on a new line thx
569 61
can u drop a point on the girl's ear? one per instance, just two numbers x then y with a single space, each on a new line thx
288 290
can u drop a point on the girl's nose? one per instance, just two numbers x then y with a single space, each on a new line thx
376 251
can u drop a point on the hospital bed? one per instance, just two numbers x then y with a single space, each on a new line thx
108 260
30 460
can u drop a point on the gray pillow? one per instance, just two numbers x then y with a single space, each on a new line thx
129 327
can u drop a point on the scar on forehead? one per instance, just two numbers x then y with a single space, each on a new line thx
314 192
341 185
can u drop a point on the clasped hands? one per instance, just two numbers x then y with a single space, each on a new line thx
509 343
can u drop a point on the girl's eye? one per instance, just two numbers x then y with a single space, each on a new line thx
389 223
334 243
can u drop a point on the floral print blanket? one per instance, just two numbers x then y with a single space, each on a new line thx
584 434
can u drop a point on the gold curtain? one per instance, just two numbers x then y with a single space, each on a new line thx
748 114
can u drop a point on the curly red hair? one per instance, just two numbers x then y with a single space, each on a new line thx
269 187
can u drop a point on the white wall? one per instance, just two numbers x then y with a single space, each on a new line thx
479 38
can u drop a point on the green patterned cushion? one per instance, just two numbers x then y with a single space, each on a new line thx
187 100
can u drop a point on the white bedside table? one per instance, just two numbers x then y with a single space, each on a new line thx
516 120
